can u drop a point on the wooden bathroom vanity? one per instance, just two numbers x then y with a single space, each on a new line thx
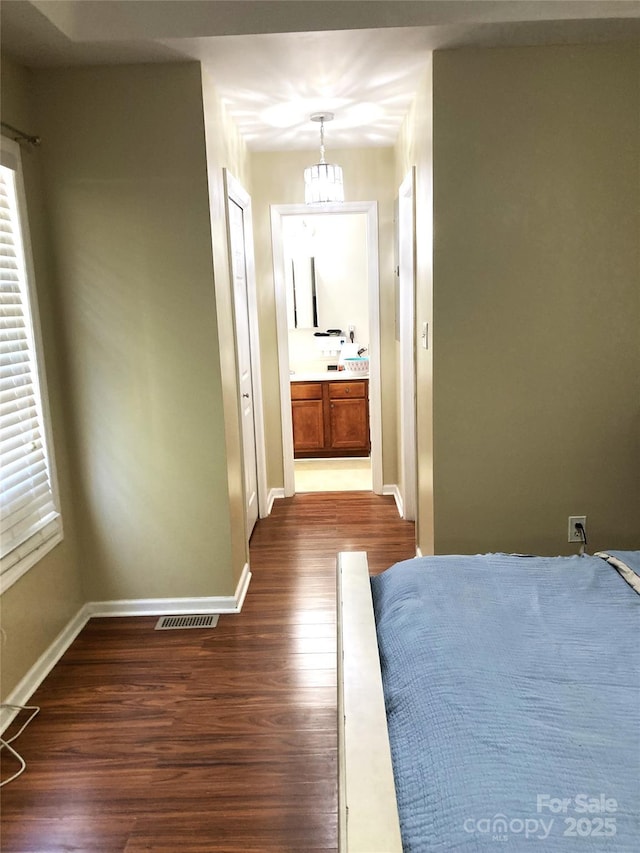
330 417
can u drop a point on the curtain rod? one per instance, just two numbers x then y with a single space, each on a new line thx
22 137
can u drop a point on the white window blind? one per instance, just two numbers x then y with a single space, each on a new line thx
29 517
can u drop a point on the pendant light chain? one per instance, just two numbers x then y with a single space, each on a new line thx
322 160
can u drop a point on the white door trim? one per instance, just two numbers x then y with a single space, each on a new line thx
237 193
370 208
407 313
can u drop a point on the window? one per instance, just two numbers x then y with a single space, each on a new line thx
30 523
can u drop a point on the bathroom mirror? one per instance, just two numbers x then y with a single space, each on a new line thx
326 271
302 294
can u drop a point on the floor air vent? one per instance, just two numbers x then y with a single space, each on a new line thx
173 623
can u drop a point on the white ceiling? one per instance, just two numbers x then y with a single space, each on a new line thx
275 63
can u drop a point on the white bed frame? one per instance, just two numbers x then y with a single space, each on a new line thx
367 807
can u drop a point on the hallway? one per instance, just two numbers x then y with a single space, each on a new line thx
205 740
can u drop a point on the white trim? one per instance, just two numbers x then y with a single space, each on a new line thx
370 208
274 494
237 193
418 551
368 820
21 567
375 383
35 547
21 694
242 588
407 369
395 491
283 347
179 606
168 606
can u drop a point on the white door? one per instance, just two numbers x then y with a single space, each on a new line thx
243 349
406 264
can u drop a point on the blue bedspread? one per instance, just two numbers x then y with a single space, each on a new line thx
512 688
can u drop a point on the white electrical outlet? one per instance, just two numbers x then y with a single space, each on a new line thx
576 535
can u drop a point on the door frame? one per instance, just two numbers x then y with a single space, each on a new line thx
407 327
370 209
235 192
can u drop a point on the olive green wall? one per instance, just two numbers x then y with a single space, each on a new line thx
126 184
277 178
39 605
142 386
536 297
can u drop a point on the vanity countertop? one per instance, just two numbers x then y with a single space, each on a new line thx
329 376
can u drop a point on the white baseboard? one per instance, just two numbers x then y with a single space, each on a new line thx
241 588
21 694
395 491
418 552
178 606
273 494
164 606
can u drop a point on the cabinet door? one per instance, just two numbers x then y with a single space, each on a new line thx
349 424
308 425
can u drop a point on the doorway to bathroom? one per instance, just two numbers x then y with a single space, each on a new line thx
333 475
328 330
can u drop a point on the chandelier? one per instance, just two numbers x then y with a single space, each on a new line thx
323 182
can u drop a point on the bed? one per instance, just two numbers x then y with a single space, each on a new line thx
489 702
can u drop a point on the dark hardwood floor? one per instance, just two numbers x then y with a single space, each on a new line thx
197 741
